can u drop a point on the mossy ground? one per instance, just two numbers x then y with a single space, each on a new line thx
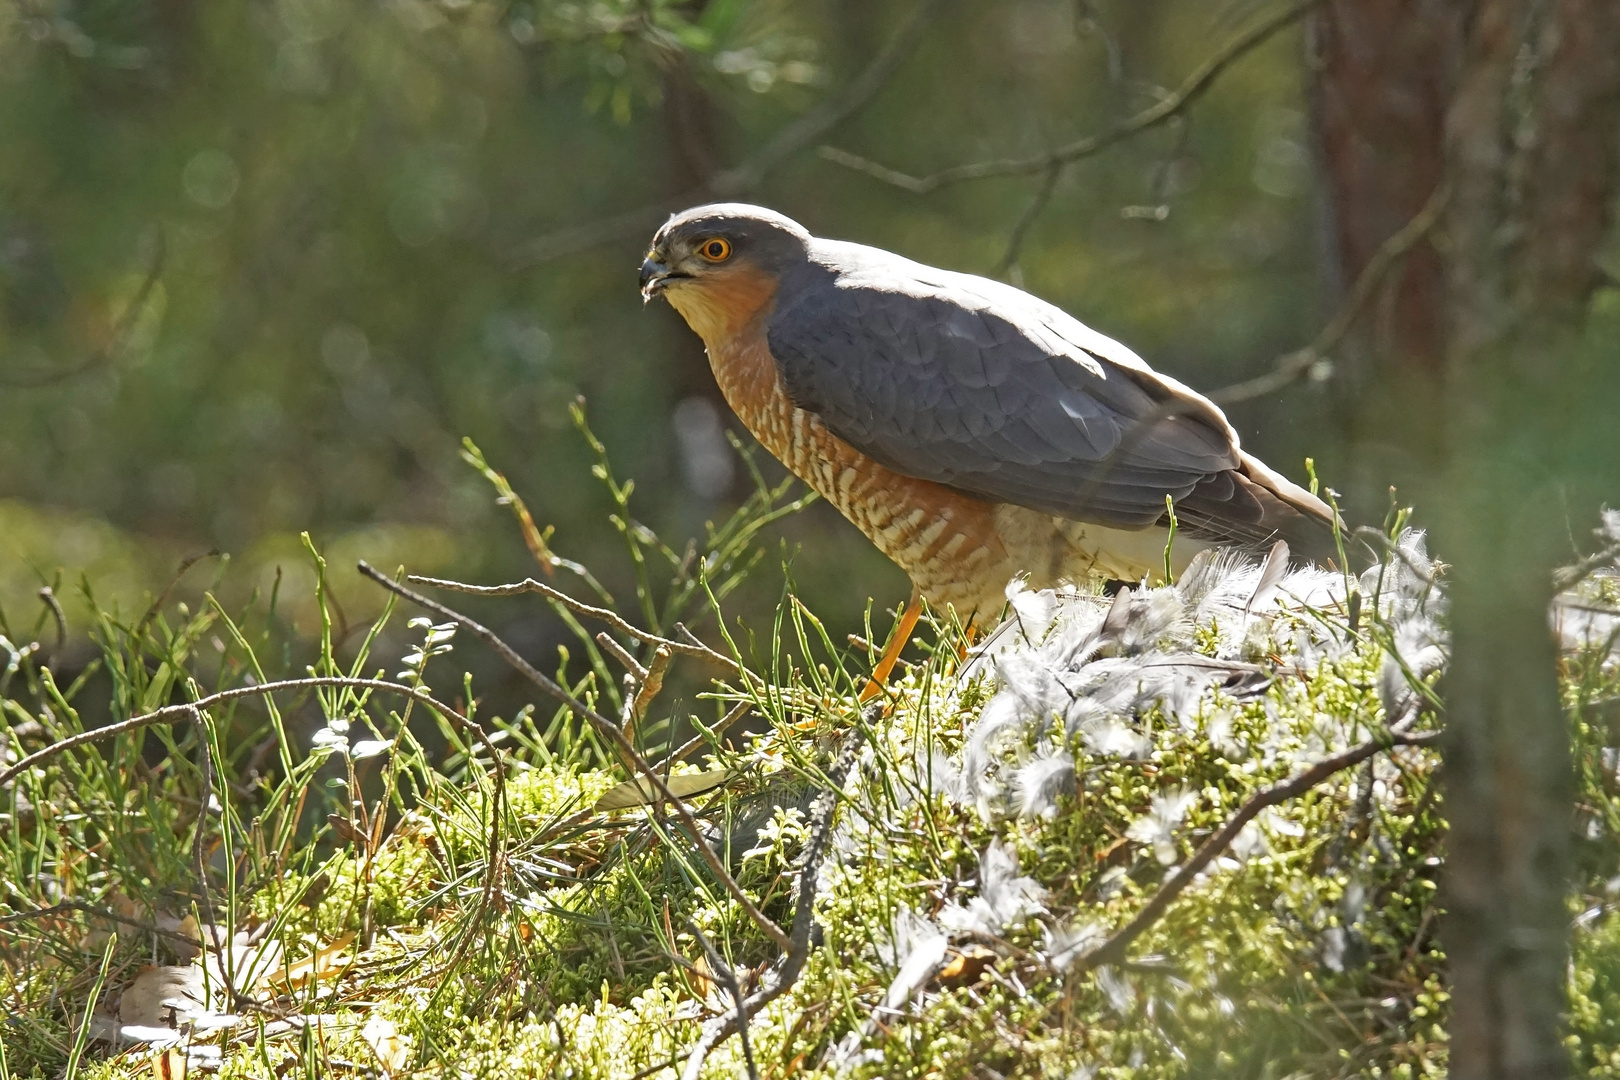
573 949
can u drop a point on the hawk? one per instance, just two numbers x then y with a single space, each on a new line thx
972 431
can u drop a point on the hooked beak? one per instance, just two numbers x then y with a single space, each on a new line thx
655 274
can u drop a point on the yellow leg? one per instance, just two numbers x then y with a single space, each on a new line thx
897 642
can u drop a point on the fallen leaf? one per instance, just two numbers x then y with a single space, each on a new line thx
163 997
326 963
966 966
641 792
393 1049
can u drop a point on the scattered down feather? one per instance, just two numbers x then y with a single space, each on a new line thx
1072 665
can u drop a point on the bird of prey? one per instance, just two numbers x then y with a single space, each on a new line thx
972 431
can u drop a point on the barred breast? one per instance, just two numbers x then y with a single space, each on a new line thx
944 540
958 550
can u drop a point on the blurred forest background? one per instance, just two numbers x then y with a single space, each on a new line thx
263 265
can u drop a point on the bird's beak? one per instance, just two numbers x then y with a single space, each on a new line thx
654 275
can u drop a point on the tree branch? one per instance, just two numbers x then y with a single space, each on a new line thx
749 173
1113 950
1195 86
1296 364
1020 229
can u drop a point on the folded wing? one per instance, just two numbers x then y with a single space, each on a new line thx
979 386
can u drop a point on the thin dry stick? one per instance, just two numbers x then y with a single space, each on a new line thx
778 983
1190 91
1296 364
748 174
606 728
612 618
1020 229
1113 950
618 652
100 913
736 712
1570 576
651 684
719 966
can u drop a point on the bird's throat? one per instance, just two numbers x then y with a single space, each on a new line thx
721 305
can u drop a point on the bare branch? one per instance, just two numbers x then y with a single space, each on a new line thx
607 728
100 913
1113 950
1020 229
719 966
1195 86
749 173
1570 576
1296 364
737 712
652 683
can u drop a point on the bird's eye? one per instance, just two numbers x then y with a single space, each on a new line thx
715 250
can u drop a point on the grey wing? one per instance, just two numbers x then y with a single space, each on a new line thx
943 386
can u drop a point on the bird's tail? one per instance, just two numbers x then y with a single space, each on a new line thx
1254 506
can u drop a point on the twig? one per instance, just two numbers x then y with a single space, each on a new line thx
47 596
114 344
156 606
612 618
605 727
1113 950
719 966
1190 91
651 683
1570 576
1296 364
737 712
748 174
618 652
1020 229
777 983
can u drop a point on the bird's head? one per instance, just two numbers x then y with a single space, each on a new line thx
719 265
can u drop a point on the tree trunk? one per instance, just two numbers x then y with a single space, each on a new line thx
1529 140
1383 75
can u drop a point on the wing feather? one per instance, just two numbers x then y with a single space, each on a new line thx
977 385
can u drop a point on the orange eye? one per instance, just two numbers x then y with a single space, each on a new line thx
716 250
